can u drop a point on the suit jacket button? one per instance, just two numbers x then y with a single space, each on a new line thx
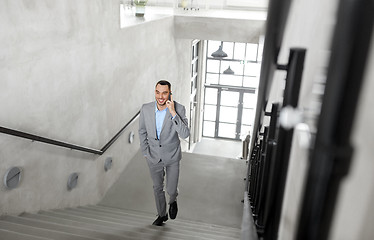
160 145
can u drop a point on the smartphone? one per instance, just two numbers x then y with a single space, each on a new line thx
170 96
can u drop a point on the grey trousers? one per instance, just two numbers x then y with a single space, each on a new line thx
158 175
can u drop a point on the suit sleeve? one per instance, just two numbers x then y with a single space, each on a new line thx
143 136
180 123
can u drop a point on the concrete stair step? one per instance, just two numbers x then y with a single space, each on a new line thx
6 234
147 215
201 225
127 230
106 223
103 227
182 230
40 232
127 224
180 224
146 231
76 228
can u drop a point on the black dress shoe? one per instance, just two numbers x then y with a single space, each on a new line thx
173 210
160 220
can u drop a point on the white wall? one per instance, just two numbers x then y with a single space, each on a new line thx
221 29
68 72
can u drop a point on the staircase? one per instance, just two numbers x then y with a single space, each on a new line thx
106 223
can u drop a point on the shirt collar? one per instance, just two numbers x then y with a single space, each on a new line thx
156 109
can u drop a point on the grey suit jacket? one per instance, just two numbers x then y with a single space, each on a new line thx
167 148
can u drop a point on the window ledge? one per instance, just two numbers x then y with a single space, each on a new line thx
128 18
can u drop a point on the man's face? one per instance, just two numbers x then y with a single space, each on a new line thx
162 94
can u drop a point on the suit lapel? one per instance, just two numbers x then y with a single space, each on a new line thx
153 120
167 116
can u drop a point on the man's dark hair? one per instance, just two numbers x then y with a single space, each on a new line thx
164 82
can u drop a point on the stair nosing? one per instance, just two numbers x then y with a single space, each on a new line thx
47 231
180 223
123 221
47 224
25 235
129 211
120 224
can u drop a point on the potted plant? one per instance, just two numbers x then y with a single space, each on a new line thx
140 7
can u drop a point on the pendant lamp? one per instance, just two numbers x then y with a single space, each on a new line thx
219 53
228 71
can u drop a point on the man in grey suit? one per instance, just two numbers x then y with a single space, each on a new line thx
161 124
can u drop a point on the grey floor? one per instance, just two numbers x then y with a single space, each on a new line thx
211 188
219 147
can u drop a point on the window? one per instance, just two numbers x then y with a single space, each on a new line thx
231 99
244 59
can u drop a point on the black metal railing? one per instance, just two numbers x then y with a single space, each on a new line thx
268 165
266 182
263 178
275 24
331 156
284 142
37 138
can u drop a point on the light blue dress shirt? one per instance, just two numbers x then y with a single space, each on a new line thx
160 117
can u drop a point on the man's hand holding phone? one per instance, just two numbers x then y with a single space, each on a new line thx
170 105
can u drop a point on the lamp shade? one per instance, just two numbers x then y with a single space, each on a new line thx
228 71
219 53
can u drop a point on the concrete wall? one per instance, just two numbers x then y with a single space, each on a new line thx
68 72
230 30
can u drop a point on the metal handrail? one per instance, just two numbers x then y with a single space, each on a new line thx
275 25
120 132
330 161
248 230
37 138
